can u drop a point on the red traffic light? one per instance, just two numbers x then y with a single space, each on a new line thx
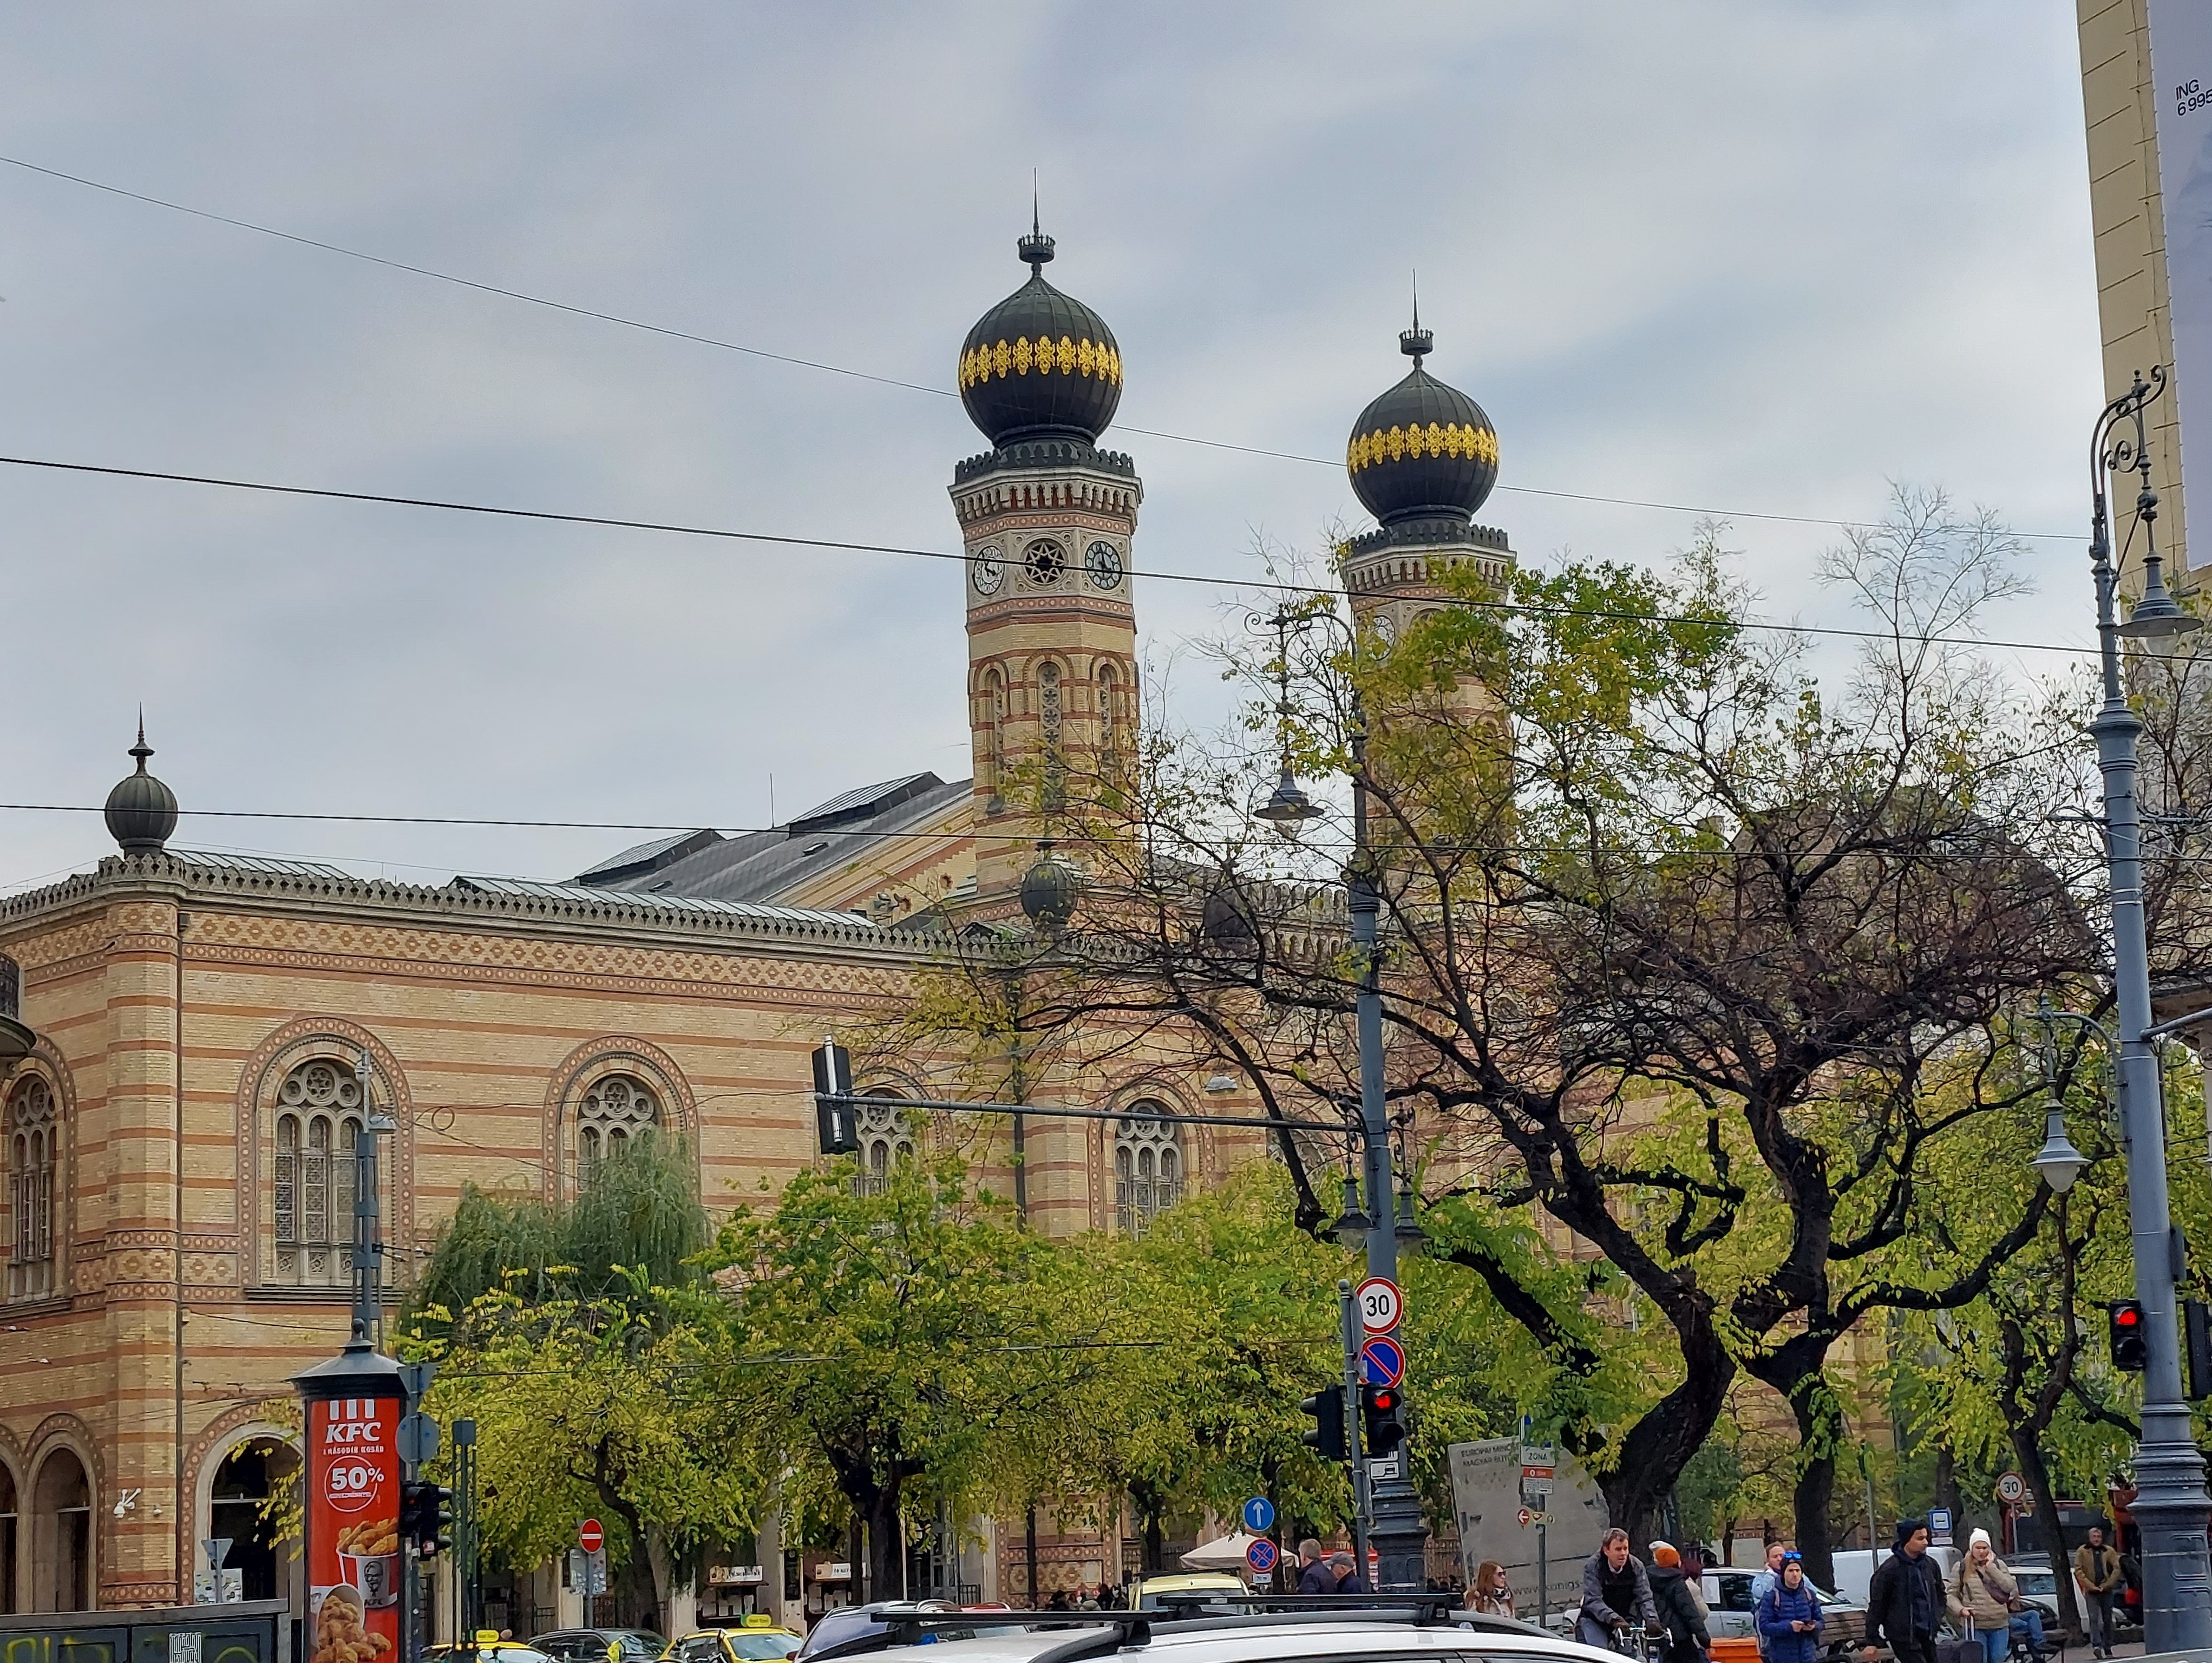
1382 1399
2127 1316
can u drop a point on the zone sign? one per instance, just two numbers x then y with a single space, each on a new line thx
1380 1304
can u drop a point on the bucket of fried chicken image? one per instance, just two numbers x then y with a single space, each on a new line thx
368 1559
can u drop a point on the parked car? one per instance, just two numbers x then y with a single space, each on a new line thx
1734 1617
486 1647
847 1623
753 1641
601 1645
1145 1595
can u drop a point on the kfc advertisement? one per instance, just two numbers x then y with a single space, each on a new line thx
353 1528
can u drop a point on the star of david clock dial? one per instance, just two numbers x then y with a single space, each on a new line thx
1103 563
1045 560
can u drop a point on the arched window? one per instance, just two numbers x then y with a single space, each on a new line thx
11 1529
61 1534
1049 730
1147 1166
319 1121
33 1146
885 1140
614 1110
993 717
237 1496
1111 715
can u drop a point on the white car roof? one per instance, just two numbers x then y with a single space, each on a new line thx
1256 1640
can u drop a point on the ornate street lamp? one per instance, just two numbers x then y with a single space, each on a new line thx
2169 1505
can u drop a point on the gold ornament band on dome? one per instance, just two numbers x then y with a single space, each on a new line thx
1435 439
1044 356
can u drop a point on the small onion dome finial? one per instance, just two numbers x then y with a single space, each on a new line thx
1040 364
1422 450
1416 342
1051 889
140 810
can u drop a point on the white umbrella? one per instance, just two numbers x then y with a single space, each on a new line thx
1224 1553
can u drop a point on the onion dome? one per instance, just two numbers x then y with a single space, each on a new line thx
1423 449
1040 364
1051 890
141 812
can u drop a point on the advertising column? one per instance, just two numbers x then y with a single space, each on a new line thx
352 1529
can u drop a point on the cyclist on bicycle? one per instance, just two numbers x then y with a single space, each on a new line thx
1616 1595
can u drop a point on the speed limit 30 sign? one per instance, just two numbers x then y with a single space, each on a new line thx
1379 1304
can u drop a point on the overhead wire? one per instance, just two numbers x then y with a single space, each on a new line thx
722 344
1271 585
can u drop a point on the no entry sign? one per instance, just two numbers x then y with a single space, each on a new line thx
590 1537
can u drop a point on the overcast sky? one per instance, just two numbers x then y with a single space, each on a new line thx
1762 258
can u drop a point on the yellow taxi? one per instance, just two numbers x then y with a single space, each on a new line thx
755 1640
1145 1595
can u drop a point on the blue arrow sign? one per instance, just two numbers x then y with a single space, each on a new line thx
1259 1514
1382 1361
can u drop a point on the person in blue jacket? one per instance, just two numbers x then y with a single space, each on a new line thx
1790 1617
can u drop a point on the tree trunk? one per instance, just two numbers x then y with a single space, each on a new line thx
886 1544
1797 1368
2029 1453
1660 1445
1946 1479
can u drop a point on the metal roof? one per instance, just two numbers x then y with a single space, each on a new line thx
761 867
641 854
257 863
675 903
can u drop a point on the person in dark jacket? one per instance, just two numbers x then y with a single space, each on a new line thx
1790 1617
1687 1641
1314 1574
1348 1579
1616 1594
1905 1600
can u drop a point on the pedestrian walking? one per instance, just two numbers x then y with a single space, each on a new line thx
1762 1584
1348 1579
1982 1597
1313 1573
1616 1593
1905 1600
1491 1594
1789 1616
2097 1574
1679 1612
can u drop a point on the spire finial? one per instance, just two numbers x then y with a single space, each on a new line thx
141 750
1037 247
1416 343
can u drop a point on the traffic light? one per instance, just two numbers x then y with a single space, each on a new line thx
2130 1350
1381 1412
426 1517
1326 1434
835 1125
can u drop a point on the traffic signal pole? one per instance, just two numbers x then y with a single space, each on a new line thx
1349 1312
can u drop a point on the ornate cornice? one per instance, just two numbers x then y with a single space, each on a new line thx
618 913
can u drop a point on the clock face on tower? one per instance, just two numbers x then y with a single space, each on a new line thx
986 571
1044 560
1103 561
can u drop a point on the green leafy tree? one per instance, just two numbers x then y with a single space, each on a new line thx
906 1340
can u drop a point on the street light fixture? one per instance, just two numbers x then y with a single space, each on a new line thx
2170 1506
2058 1161
1352 1224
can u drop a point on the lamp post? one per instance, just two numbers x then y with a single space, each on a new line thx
1400 1537
2171 1508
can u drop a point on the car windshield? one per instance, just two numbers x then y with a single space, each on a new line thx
641 1642
757 1647
2033 1581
